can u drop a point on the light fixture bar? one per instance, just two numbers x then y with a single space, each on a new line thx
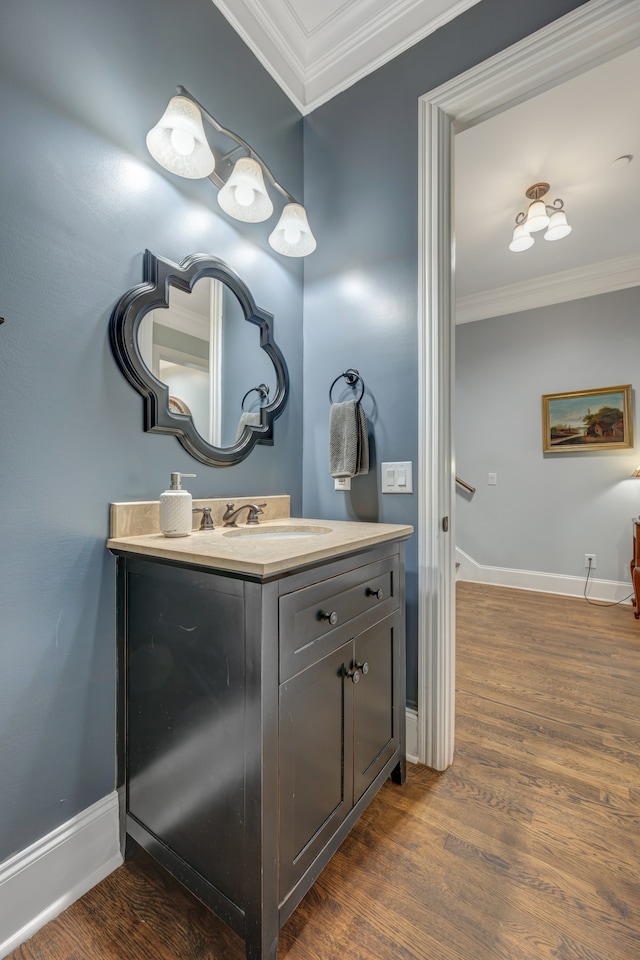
214 177
178 142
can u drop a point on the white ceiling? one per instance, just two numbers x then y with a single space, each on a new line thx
316 48
568 136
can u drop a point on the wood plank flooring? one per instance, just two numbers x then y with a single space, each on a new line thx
528 848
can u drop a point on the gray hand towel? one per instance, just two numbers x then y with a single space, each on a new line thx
247 420
348 440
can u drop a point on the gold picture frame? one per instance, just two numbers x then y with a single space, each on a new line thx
599 419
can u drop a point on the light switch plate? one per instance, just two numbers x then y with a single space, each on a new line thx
397 477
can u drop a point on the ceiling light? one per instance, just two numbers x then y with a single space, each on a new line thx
539 216
558 226
522 239
179 144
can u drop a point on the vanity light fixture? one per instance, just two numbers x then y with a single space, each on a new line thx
539 216
178 141
292 235
179 144
244 195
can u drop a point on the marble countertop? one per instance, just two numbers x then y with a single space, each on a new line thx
250 549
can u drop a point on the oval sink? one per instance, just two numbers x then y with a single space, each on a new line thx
277 533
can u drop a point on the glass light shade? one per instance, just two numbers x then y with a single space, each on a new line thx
537 218
292 235
558 226
521 239
244 195
178 141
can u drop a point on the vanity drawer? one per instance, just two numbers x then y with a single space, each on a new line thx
317 619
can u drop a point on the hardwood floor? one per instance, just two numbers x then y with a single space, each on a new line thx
528 848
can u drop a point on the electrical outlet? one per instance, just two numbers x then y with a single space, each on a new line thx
342 483
590 560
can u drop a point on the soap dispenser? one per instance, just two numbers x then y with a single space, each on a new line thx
176 518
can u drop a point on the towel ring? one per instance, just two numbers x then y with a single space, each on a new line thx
352 377
262 390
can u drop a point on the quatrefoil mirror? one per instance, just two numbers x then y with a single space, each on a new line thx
191 340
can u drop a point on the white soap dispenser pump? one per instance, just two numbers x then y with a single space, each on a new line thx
176 517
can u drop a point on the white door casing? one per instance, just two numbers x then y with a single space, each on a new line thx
592 34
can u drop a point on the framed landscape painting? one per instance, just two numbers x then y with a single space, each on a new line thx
587 420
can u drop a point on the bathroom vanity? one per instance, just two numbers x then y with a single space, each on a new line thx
261 703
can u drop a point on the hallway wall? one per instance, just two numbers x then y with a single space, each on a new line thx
547 510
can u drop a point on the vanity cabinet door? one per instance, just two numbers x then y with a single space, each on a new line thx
376 726
336 735
316 756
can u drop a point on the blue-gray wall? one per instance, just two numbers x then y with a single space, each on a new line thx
81 82
547 510
361 285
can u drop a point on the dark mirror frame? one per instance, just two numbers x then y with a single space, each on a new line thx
159 275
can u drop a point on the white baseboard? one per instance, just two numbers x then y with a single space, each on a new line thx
610 591
40 882
412 735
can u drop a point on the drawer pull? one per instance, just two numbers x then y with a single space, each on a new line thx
379 593
354 674
364 667
332 617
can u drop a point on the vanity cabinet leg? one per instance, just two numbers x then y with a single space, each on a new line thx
261 939
399 772
254 950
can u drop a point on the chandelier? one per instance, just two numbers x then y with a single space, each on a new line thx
540 216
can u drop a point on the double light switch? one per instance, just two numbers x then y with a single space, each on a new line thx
397 477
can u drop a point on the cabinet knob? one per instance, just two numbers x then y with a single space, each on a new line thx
364 667
379 593
354 674
332 617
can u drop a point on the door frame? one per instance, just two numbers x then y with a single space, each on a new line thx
592 34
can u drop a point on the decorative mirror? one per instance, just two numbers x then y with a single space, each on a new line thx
191 340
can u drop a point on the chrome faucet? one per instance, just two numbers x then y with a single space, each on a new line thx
207 521
229 516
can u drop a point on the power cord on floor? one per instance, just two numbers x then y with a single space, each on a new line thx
596 603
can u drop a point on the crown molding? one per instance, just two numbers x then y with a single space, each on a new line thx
354 50
313 66
587 281
269 45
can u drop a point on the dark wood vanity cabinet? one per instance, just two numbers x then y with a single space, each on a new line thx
257 719
336 735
